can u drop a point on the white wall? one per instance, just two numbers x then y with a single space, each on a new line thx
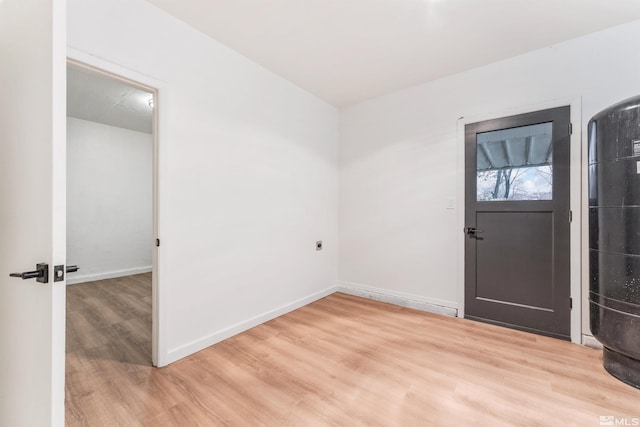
399 153
247 175
109 203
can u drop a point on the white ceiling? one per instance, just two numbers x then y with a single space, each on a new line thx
101 99
346 51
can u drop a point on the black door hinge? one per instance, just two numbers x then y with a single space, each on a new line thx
157 242
570 216
570 128
571 303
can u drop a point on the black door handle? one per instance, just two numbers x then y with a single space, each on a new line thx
473 232
41 274
72 268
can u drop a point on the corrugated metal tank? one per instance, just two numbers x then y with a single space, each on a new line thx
614 237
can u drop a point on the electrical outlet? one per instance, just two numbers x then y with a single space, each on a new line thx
319 245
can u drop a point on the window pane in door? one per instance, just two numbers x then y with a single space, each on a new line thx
515 164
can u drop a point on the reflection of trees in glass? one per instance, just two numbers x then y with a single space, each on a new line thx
525 183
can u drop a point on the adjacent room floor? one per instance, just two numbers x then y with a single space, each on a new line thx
342 360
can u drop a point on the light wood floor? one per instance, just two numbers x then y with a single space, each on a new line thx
342 360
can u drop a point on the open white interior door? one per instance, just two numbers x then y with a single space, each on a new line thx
32 210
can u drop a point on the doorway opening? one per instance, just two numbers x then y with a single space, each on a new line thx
111 220
517 221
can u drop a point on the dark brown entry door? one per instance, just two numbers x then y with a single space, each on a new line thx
517 222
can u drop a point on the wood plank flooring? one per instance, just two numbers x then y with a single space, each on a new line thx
342 360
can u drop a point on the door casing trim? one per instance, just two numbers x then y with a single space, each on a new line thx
577 188
80 59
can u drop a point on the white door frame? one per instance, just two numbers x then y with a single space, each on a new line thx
97 65
575 204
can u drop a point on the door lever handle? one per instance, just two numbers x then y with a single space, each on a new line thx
72 268
473 232
41 274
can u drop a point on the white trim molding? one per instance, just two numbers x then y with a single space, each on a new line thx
590 341
431 305
200 344
106 275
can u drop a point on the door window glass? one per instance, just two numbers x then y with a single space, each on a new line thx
515 164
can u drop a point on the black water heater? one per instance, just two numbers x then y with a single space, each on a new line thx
614 237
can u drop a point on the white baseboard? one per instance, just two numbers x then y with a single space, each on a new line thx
589 341
195 346
76 278
431 305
